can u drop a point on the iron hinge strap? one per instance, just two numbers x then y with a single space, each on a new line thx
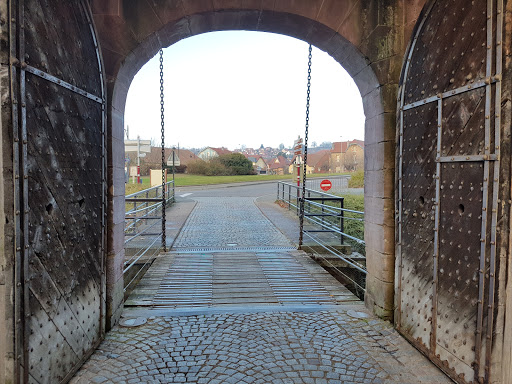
470 158
453 92
60 82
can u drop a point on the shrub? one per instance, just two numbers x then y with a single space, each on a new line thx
356 180
197 167
225 165
216 168
237 164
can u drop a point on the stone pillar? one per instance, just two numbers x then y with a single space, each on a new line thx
115 214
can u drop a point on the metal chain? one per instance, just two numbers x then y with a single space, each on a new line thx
305 162
162 123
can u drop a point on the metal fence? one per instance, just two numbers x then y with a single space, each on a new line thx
143 229
325 214
339 183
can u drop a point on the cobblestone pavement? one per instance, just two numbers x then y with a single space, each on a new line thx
322 347
225 339
233 221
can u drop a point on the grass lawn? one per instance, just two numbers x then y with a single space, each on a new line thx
182 179
353 227
132 188
353 202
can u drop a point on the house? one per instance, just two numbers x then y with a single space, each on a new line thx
153 159
261 166
347 156
182 157
318 162
292 167
354 156
209 153
278 166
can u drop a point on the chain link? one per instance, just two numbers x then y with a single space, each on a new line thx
162 123
305 162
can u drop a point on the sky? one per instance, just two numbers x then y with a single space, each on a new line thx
243 88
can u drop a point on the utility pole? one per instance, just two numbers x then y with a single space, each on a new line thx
297 147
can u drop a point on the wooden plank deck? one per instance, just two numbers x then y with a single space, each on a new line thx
237 279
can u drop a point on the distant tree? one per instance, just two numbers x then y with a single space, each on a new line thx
281 153
197 167
224 165
326 144
237 163
281 146
313 144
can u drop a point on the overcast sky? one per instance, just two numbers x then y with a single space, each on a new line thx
234 88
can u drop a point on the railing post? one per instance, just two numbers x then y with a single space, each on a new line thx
342 224
146 209
135 216
297 202
323 210
289 196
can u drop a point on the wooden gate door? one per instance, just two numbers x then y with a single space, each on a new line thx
448 179
58 137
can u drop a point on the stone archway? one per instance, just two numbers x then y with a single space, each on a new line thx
367 39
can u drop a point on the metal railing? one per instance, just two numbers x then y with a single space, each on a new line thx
143 228
325 213
339 183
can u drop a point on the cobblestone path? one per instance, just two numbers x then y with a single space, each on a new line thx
257 315
229 222
321 347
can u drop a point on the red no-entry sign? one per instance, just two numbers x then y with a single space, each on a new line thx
325 185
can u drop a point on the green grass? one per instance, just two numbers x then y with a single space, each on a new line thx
352 227
132 188
187 179
354 202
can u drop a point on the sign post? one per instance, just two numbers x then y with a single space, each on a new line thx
141 147
297 147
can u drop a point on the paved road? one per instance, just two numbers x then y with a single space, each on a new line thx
228 222
204 321
257 190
